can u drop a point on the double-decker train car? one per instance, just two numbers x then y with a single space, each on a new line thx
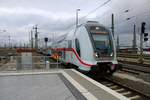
90 47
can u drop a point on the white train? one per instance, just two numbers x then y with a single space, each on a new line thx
90 47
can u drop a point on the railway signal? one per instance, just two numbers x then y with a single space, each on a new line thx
145 36
46 40
143 27
143 31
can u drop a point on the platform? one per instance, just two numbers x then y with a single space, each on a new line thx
53 85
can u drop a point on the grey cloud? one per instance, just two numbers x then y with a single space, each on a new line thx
57 15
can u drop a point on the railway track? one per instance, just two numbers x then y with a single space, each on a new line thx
133 55
123 86
126 91
133 58
135 68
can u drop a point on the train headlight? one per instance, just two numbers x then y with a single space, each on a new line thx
111 54
96 54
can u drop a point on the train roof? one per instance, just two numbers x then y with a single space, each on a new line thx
69 35
91 23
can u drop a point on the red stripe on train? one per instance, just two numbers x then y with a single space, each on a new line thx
74 51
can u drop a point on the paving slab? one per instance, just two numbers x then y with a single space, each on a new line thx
53 85
34 87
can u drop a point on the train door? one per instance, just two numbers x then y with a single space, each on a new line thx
64 52
78 47
78 51
70 53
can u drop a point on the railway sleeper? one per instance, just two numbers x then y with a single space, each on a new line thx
119 89
134 97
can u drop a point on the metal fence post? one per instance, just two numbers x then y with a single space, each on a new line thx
57 63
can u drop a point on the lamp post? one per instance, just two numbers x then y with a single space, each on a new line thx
77 17
134 46
9 41
36 35
112 24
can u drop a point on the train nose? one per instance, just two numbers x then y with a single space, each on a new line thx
105 67
101 66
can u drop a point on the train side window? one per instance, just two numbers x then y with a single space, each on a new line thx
69 44
77 46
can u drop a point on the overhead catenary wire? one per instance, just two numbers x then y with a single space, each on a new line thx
106 13
92 11
134 16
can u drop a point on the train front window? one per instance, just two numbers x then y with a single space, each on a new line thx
102 40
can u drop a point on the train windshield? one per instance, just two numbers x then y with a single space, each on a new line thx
102 40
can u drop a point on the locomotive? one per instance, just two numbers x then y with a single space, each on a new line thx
90 47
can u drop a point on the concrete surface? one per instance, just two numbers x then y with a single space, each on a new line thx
34 87
53 85
98 90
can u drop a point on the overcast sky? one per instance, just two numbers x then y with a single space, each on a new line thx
18 17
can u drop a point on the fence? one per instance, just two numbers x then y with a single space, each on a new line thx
13 63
